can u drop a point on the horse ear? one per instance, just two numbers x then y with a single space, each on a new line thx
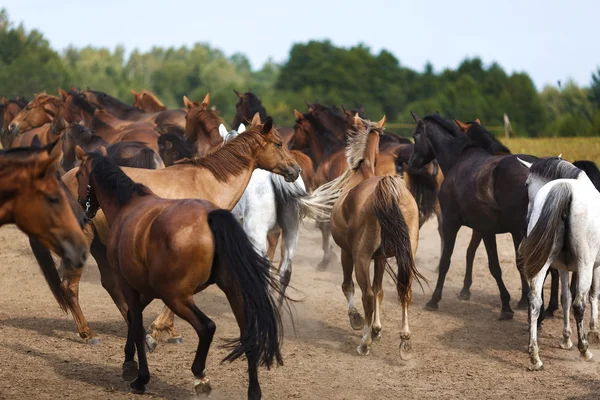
187 103
206 101
62 93
223 131
79 152
463 127
298 114
309 105
381 123
268 125
560 156
134 93
524 163
103 151
241 128
238 94
416 117
255 120
478 121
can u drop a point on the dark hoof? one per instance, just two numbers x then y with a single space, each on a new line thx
94 340
130 371
151 343
137 388
523 304
175 340
464 295
431 306
357 322
376 334
506 315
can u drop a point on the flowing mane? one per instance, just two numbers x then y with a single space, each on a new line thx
231 159
111 178
552 168
327 139
463 140
485 140
357 143
80 101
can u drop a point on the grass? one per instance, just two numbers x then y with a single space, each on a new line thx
571 148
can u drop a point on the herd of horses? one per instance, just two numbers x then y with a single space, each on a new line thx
169 202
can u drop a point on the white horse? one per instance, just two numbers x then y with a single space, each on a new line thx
270 203
563 232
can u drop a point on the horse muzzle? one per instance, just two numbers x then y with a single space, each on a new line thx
292 173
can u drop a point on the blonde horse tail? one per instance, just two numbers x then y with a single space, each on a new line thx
537 246
395 238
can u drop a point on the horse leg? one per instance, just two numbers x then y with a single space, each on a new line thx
379 270
362 270
272 240
356 320
554 285
494 264
565 298
593 335
405 348
438 214
70 285
328 253
465 293
522 305
165 322
450 229
107 276
289 221
535 306
205 329
582 287
135 334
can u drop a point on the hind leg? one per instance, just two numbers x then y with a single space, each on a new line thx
582 287
566 343
522 305
356 320
494 264
465 293
535 306
328 254
553 304
593 335
362 267
379 269
272 240
450 229
164 323
289 221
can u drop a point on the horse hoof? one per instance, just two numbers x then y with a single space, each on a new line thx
593 337
202 386
506 316
362 350
431 306
566 344
175 340
536 367
323 265
587 355
130 371
376 334
137 388
357 322
405 350
464 295
151 343
94 340
523 304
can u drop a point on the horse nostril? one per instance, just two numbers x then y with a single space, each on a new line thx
11 127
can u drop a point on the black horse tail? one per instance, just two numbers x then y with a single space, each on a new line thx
423 187
48 267
262 337
395 238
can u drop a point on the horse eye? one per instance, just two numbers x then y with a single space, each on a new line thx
52 199
279 144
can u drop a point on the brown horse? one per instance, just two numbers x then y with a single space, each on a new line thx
147 102
10 109
111 130
220 178
33 198
152 259
373 218
202 127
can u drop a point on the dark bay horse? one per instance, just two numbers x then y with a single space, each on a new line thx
220 178
484 192
152 259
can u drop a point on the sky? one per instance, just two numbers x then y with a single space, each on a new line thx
551 40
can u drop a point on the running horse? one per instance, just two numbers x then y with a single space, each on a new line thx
373 218
220 178
152 258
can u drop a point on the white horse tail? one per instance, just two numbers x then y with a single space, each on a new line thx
549 228
288 193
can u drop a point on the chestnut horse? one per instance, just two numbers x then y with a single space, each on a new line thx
373 218
220 178
152 259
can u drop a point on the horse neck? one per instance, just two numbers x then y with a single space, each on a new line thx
371 154
206 142
9 189
447 148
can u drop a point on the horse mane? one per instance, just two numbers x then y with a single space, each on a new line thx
209 120
80 101
179 144
255 105
111 178
485 140
552 168
21 102
84 136
591 170
451 129
357 143
107 100
154 98
326 138
145 158
231 159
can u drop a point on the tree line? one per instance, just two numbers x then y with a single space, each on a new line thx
315 71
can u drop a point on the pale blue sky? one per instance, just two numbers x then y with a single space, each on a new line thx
551 40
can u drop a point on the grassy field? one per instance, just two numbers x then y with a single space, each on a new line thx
572 149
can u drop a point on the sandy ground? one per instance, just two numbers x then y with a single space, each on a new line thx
461 351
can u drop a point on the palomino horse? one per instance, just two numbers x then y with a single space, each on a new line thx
373 218
484 192
147 102
562 232
33 198
220 178
152 259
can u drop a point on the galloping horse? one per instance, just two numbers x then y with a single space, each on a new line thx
562 232
220 178
373 218
152 258
482 191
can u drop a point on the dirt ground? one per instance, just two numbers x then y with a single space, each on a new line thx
461 351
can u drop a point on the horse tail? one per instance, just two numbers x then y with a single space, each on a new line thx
423 187
537 246
48 267
395 238
288 194
263 335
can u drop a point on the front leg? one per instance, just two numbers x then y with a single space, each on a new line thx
165 322
450 229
